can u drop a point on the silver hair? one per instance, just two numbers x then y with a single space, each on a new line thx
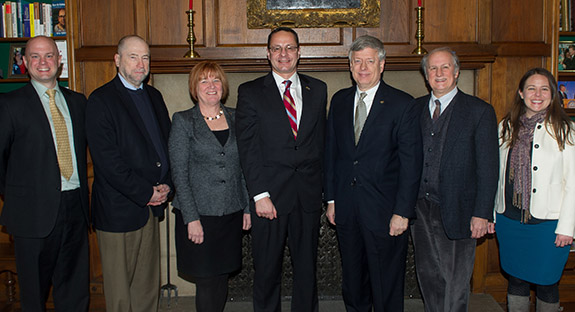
454 58
366 41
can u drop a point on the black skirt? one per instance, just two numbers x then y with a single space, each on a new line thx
221 251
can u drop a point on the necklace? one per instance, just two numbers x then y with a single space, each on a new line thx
215 117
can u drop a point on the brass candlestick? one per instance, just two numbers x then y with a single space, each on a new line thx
419 35
191 38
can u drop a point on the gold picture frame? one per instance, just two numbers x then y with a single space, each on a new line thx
259 16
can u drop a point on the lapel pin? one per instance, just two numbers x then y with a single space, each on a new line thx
382 101
307 88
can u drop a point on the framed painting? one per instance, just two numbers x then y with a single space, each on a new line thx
313 13
566 57
16 67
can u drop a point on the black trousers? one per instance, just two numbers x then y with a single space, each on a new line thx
373 267
301 230
60 259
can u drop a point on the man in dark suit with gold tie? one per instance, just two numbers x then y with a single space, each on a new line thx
280 121
44 184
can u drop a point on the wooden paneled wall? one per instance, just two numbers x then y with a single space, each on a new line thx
500 40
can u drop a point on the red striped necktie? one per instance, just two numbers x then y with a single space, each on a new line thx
290 108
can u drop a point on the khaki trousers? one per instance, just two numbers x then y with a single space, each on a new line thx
131 268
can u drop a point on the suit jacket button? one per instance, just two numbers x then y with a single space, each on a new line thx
223 181
535 168
534 190
353 182
158 164
222 154
295 147
355 162
538 126
536 145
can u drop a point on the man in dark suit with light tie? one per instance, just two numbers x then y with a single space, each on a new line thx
458 184
280 120
44 184
128 127
372 170
563 92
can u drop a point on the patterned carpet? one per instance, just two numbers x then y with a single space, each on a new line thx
478 303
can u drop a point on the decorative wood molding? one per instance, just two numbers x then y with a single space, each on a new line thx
168 59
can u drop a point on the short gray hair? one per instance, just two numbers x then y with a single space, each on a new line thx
366 41
454 58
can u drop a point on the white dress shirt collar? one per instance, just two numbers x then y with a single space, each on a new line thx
368 100
295 89
445 101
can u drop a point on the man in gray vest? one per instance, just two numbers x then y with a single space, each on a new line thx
458 184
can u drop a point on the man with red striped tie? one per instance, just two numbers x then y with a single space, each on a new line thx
280 120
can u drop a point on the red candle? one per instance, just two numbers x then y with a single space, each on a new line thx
192 4
418 3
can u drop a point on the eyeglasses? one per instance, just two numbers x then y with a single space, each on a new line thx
288 49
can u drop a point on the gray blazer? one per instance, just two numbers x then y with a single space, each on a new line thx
207 176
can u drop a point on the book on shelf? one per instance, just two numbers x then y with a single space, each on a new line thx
32 23
59 17
21 18
2 26
63 49
26 20
14 16
38 27
566 15
7 10
47 19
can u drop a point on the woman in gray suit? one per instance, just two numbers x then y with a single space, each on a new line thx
211 198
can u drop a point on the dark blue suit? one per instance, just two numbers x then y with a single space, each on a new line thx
290 170
126 164
371 182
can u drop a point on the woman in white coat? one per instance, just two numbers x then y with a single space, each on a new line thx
535 202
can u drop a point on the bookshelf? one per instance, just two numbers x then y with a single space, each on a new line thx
564 55
9 84
53 12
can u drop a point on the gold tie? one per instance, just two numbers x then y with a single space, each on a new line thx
62 140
